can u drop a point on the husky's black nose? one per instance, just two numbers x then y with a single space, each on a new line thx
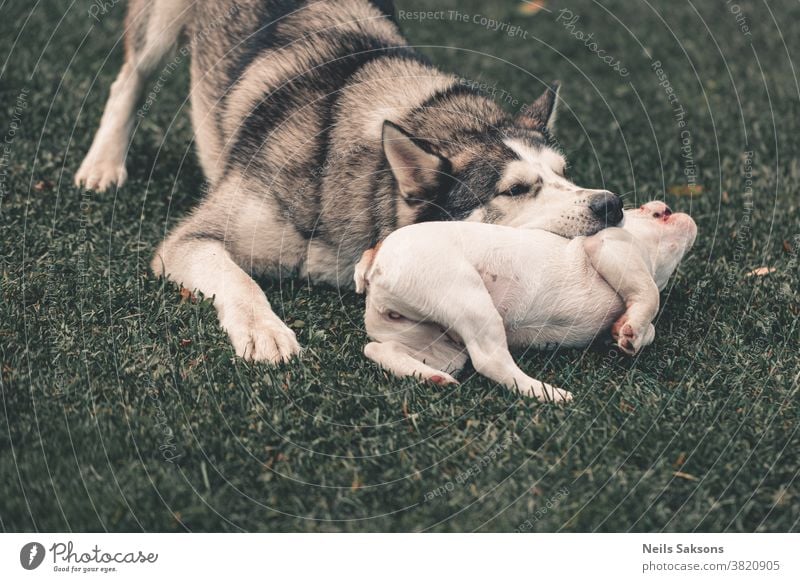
607 207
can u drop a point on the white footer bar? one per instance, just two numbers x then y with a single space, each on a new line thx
390 557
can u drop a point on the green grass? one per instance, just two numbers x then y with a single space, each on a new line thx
106 374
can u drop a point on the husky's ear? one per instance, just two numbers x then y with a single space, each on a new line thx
541 114
416 169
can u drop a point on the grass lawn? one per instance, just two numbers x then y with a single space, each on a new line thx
124 409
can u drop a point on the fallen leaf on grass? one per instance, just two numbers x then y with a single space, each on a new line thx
186 295
781 496
531 7
197 361
687 476
685 190
761 271
42 185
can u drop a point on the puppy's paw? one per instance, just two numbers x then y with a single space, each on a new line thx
557 395
630 337
262 338
547 393
616 327
440 378
626 338
98 172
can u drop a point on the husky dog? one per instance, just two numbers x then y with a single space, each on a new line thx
320 131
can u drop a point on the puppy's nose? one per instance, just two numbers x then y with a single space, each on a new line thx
657 209
607 206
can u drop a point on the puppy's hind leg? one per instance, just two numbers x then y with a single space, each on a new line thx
152 28
395 358
471 313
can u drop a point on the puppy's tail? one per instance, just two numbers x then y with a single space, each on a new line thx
363 268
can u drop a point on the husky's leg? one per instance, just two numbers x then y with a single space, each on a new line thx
204 264
616 258
151 31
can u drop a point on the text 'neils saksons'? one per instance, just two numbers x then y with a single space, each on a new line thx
681 549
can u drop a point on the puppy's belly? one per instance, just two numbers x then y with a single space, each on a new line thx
569 322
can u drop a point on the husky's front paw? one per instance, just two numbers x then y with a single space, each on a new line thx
263 338
98 172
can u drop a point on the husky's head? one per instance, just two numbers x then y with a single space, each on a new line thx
507 172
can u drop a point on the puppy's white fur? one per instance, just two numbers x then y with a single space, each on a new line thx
438 292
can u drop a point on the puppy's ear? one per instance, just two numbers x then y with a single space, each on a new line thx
541 114
416 169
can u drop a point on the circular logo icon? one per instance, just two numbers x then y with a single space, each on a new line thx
31 555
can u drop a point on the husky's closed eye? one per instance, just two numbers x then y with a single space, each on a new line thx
517 190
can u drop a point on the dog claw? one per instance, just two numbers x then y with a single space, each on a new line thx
100 174
263 339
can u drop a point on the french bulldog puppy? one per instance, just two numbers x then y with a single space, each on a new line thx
438 293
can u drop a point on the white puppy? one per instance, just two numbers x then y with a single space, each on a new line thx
438 292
